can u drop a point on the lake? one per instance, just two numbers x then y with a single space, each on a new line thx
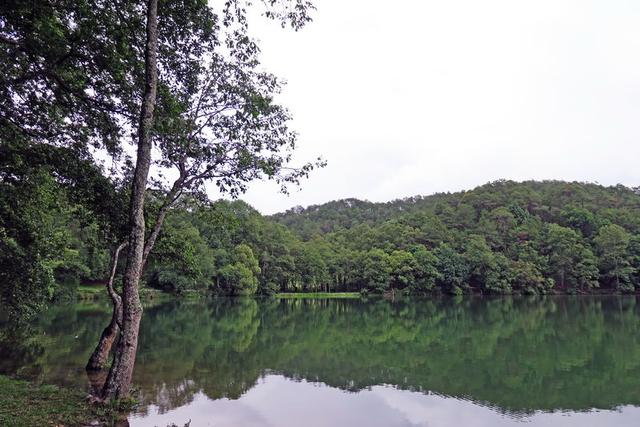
543 361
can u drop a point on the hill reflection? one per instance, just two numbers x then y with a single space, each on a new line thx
517 355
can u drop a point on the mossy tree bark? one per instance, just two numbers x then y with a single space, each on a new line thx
98 359
118 383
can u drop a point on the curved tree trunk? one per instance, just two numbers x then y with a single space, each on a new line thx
98 359
118 383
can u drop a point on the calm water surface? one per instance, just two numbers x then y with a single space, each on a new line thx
559 361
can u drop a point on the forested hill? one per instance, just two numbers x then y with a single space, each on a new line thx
544 199
502 237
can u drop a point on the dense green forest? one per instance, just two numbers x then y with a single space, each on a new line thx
503 237
61 217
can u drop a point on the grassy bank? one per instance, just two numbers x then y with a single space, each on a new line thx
25 404
298 295
90 292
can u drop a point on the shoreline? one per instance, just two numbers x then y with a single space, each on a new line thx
157 296
23 403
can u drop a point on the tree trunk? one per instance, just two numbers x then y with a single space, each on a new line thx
98 359
118 383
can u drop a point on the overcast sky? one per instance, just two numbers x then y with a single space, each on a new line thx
411 97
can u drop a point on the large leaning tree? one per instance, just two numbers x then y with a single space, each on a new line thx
178 80
215 121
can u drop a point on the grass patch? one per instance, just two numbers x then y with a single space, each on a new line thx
25 404
298 295
90 292
192 294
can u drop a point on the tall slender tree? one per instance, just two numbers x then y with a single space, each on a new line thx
119 379
87 73
218 122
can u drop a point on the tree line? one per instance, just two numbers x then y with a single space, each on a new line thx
500 238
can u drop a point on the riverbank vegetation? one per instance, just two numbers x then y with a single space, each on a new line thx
503 237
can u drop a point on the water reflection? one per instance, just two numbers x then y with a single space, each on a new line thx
278 401
513 358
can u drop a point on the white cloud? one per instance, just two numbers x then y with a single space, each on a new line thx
411 97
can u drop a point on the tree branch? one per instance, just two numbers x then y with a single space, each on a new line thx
169 200
115 298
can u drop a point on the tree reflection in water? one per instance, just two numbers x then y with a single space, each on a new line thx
517 355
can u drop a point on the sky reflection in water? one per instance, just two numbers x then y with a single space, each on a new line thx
278 401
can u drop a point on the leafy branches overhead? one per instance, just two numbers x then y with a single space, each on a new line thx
72 73
295 13
222 125
69 70
228 128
